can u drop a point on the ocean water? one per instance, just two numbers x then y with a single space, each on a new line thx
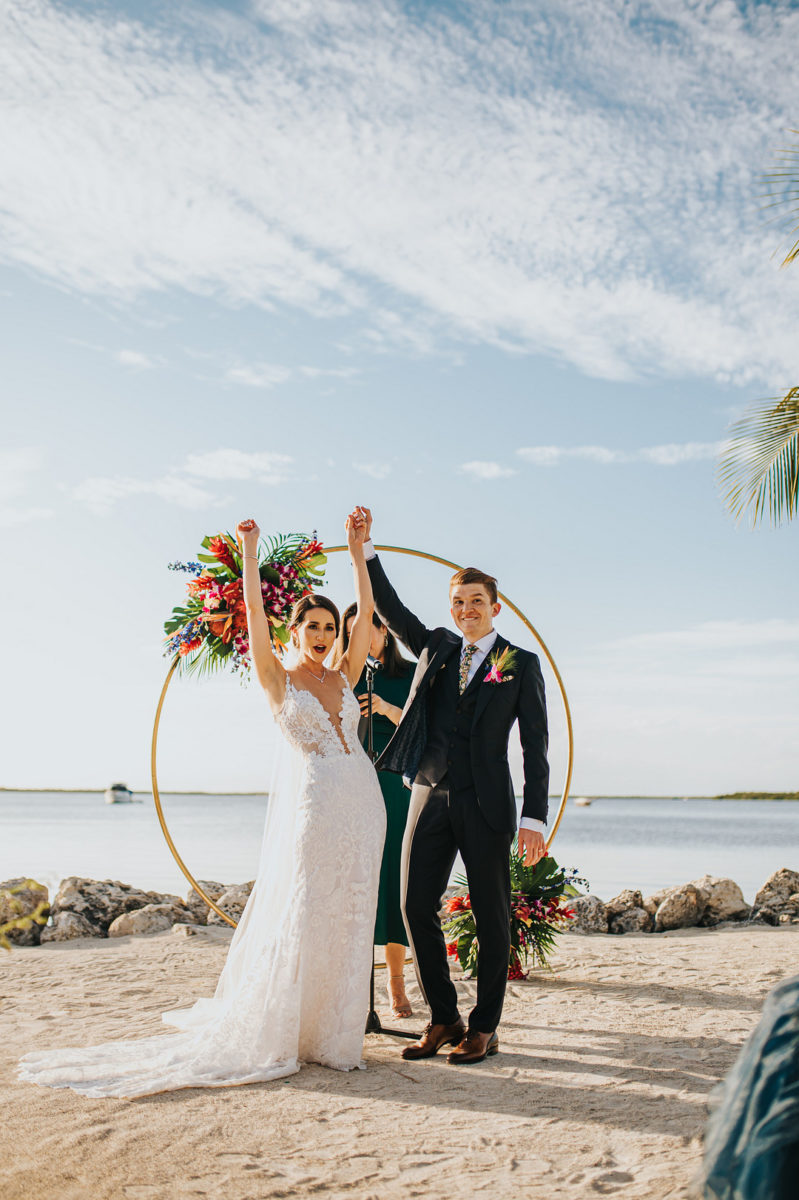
616 843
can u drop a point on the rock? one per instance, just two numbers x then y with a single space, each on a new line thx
724 900
102 901
68 925
232 902
590 915
631 920
626 913
681 908
195 903
772 899
625 900
652 903
153 918
25 897
182 930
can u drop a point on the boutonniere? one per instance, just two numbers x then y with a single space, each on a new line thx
499 665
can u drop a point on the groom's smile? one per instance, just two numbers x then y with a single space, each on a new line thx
472 610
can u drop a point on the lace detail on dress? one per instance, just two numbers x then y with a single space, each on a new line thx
299 721
295 986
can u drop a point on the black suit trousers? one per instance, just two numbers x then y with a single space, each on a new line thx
441 822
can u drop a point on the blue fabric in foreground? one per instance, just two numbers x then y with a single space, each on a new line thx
752 1143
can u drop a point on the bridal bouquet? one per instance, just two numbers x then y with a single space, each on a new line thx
539 910
209 629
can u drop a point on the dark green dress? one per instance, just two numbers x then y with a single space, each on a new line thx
389 926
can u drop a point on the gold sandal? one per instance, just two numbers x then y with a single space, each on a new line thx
400 1005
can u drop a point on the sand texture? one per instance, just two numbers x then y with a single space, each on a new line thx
600 1087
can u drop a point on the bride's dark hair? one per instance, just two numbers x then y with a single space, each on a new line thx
313 600
394 664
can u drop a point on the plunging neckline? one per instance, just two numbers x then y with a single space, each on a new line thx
333 719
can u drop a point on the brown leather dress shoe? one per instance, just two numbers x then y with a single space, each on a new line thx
433 1038
474 1047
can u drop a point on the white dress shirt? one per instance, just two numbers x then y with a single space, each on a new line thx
484 647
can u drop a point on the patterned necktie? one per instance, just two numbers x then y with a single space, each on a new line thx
466 662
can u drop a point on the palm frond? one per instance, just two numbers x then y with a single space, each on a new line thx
282 545
759 467
784 189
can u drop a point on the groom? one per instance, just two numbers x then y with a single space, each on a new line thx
451 745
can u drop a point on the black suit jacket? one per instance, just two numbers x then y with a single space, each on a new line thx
498 706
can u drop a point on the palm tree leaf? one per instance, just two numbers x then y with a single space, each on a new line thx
759 467
784 189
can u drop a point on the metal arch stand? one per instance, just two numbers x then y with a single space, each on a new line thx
334 550
373 1022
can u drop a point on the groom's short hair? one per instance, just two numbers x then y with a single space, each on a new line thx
475 575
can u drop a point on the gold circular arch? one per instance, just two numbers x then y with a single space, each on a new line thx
337 550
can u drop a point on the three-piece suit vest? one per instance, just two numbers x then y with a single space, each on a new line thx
449 722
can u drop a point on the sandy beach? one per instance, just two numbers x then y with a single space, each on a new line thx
600 1087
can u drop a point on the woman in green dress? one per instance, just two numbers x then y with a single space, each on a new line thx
390 691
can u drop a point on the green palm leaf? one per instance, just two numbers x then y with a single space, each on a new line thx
784 189
760 464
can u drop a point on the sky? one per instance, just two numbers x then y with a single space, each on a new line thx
501 271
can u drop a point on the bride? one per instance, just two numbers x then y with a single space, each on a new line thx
282 998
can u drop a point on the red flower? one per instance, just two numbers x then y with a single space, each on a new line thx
188 647
452 949
201 584
222 552
457 904
309 550
515 968
232 591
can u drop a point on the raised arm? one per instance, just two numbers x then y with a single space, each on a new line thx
352 662
404 624
268 668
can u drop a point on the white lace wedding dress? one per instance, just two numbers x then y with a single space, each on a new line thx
295 986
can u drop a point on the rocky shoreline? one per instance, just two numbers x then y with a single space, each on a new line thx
91 908
708 901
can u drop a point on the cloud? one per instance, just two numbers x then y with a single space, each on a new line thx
486 470
375 470
779 634
577 183
10 516
268 375
263 465
101 493
16 468
180 485
671 454
134 358
258 375
329 372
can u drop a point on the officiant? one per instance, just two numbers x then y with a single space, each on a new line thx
391 685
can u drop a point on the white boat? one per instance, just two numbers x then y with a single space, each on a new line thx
120 793
582 801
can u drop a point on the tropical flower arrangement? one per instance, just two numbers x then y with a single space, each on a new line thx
209 629
539 911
